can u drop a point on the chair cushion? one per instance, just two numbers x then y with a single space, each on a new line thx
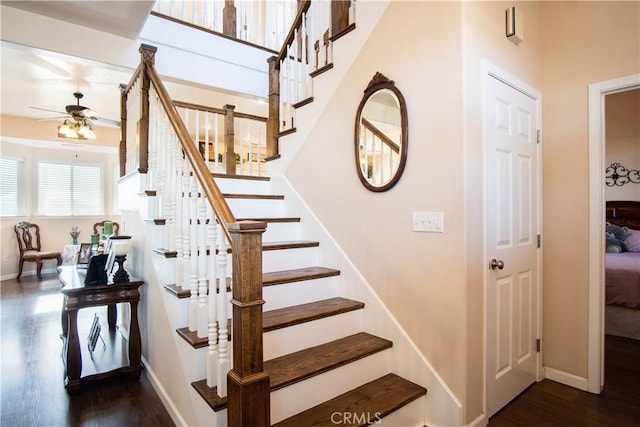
33 255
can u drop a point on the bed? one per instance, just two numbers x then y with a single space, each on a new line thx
622 276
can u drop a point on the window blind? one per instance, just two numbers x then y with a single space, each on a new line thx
11 187
69 190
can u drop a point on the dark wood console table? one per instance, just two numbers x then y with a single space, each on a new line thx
76 296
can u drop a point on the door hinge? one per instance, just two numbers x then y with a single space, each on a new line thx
538 136
539 240
538 345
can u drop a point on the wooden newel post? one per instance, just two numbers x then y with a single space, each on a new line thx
123 130
147 54
273 121
248 385
229 140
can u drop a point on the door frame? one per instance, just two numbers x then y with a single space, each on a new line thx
597 93
490 70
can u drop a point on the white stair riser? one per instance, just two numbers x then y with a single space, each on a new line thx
285 259
287 402
410 415
285 295
298 337
204 414
255 208
193 360
280 231
165 269
242 186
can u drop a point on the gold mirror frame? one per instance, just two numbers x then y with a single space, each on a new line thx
395 143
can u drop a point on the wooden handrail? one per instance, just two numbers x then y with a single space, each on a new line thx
215 110
202 173
303 7
198 107
384 138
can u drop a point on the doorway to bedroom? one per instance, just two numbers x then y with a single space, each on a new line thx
614 134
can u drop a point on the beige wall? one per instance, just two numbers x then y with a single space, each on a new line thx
484 39
54 230
583 43
434 283
419 276
622 118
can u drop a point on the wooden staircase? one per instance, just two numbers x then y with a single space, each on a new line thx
368 402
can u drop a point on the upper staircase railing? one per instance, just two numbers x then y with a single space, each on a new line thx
261 23
306 52
199 228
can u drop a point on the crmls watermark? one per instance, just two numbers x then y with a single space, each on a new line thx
351 418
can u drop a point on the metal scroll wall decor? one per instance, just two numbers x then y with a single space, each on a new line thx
616 174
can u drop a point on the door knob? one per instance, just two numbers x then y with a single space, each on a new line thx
497 264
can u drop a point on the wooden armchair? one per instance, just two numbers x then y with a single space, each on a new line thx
98 227
28 236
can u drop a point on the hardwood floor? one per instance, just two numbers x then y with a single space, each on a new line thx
33 394
549 403
32 389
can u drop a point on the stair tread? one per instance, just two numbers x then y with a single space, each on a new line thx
288 316
292 368
297 275
273 219
366 404
269 279
253 196
295 367
283 317
288 244
247 177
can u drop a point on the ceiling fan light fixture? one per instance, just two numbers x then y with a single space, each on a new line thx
85 130
81 129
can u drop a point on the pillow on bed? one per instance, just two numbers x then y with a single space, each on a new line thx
633 241
616 237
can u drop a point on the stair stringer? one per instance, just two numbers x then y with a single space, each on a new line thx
167 358
345 50
441 406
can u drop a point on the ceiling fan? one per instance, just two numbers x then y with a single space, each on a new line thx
79 113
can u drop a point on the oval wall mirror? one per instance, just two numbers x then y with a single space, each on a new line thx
381 135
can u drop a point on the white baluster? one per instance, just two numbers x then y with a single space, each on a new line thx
352 12
216 148
203 314
179 225
173 184
193 254
212 353
207 158
184 267
223 343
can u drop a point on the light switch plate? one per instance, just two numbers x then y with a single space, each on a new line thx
432 222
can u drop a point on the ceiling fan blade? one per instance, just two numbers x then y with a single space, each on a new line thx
88 113
108 122
46 109
52 118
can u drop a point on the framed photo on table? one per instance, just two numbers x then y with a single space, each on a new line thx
84 254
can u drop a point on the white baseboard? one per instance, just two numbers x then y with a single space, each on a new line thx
164 397
566 378
480 421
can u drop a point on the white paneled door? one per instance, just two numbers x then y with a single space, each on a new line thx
512 242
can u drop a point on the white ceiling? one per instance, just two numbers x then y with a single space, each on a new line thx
36 78
43 79
46 80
